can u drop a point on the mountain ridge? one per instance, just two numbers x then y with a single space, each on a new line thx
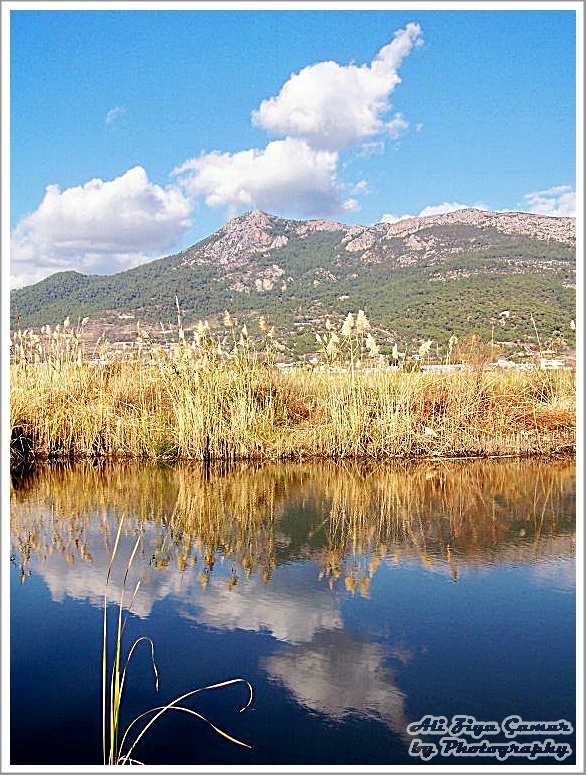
429 267
255 223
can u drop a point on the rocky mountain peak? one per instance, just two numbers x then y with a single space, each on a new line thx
240 238
253 219
257 232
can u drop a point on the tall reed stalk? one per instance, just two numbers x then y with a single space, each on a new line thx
113 744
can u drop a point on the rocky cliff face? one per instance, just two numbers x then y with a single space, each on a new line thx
536 226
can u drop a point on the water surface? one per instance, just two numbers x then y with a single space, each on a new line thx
356 600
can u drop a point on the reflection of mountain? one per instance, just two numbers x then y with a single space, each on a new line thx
338 675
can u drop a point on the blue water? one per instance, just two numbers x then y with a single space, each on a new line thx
479 621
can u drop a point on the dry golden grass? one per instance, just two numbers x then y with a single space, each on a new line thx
224 399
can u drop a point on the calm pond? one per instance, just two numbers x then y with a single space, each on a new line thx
356 600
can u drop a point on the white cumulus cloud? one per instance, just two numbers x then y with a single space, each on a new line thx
106 226
441 209
333 106
320 111
445 207
366 150
99 227
287 174
361 187
558 200
397 126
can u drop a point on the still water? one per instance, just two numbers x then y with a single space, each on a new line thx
356 601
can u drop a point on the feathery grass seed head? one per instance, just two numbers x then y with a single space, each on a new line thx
362 322
425 347
348 325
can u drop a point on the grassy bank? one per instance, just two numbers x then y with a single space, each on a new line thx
222 398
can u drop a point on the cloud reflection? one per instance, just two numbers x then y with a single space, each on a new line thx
339 675
293 610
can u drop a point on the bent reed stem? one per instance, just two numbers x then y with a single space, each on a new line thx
115 754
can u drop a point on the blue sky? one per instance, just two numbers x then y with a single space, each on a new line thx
135 133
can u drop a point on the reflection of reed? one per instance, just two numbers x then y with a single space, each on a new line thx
443 513
446 513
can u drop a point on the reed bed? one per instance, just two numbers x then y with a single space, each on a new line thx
222 397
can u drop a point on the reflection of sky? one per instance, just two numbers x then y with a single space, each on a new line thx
326 669
337 649
452 623
86 580
558 573
339 674
329 668
292 610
